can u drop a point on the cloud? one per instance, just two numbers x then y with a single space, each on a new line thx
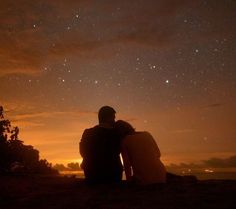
50 114
23 41
33 32
229 162
28 116
53 119
215 105
28 124
221 163
184 166
143 23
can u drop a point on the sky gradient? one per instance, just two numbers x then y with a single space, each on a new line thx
166 66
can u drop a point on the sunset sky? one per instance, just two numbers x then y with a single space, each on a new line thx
166 66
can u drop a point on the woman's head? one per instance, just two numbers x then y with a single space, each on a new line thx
124 128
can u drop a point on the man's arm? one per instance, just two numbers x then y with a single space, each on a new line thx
83 143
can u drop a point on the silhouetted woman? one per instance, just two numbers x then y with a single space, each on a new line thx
141 155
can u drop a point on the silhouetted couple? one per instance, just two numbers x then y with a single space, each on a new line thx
102 145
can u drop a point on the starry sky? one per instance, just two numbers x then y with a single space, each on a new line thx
166 66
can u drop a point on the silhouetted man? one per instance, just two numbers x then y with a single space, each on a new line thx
100 149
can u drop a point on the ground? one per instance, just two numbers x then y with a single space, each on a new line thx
26 192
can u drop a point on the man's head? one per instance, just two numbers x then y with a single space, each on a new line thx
106 115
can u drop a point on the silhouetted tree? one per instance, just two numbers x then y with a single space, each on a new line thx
44 167
60 167
5 126
14 154
74 166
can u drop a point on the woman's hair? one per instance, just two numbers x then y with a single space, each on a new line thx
124 128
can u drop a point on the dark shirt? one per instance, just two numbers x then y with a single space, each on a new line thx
100 149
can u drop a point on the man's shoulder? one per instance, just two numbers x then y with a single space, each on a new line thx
99 133
90 131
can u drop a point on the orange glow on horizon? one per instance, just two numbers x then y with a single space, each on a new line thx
58 141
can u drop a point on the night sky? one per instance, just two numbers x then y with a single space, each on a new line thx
166 66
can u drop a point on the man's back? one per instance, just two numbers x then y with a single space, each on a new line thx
100 149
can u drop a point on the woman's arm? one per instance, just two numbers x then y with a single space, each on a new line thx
127 164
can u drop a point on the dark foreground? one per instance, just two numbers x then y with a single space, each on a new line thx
17 192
